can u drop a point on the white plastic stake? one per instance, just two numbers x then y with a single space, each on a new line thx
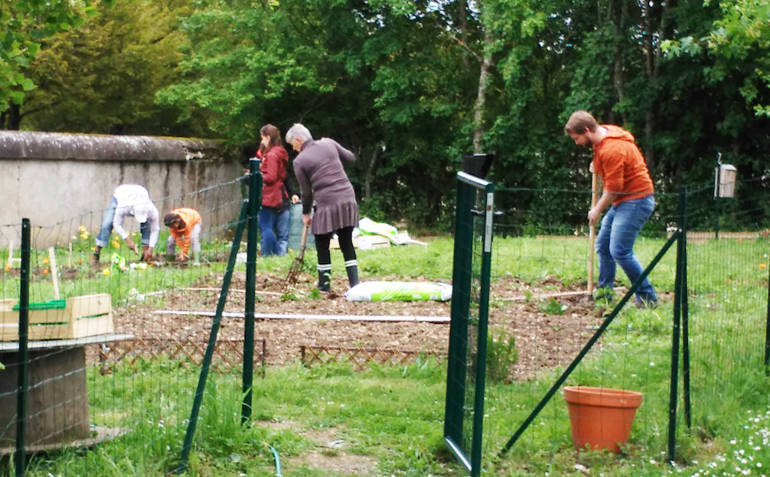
54 274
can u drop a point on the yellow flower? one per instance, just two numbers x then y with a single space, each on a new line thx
762 265
7 267
106 271
115 244
45 260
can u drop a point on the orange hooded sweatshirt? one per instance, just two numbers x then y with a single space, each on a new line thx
621 165
190 217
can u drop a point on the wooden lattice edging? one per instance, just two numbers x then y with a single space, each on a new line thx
228 354
361 357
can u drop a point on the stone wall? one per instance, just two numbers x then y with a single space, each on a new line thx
60 181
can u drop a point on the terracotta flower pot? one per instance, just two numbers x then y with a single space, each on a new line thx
601 417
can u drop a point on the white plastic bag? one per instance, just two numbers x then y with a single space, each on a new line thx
399 291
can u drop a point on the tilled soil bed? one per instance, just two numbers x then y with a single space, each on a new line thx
545 336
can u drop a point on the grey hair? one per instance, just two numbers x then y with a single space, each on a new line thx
298 131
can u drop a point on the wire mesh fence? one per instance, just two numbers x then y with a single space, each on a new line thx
101 365
700 358
135 382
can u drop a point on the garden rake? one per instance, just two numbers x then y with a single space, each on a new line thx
299 261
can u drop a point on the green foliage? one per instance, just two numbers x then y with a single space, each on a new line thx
552 307
103 75
740 41
25 24
399 83
501 354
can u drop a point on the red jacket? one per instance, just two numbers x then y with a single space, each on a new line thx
273 169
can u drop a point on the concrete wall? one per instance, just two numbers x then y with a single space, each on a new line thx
61 181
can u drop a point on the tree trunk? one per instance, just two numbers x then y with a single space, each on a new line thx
655 33
618 79
481 96
370 168
10 119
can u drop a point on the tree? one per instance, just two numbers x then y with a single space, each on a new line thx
103 75
372 74
26 23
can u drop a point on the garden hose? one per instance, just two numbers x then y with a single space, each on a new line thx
277 462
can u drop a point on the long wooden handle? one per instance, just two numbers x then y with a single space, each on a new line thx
592 237
302 243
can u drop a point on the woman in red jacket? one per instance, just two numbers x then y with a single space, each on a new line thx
274 214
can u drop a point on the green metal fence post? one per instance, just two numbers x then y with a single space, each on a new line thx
675 333
255 193
23 360
718 194
486 271
461 277
685 316
767 329
206 364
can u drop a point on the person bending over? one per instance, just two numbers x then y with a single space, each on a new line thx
184 226
129 200
627 190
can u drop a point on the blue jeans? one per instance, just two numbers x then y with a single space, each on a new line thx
615 244
105 230
274 231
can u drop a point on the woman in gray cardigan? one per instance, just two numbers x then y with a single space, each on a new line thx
321 176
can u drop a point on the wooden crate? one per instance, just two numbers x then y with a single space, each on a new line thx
82 316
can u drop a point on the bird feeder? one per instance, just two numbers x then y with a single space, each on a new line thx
724 183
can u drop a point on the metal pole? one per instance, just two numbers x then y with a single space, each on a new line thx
685 317
675 333
718 193
23 361
255 198
767 329
207 357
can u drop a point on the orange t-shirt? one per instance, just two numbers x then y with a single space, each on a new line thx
190 217
621 166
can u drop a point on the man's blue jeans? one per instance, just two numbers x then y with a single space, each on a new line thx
615 244
105 230
274 231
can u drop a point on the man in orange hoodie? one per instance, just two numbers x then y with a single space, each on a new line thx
627 190
184 226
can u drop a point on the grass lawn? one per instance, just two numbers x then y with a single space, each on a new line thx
330 420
